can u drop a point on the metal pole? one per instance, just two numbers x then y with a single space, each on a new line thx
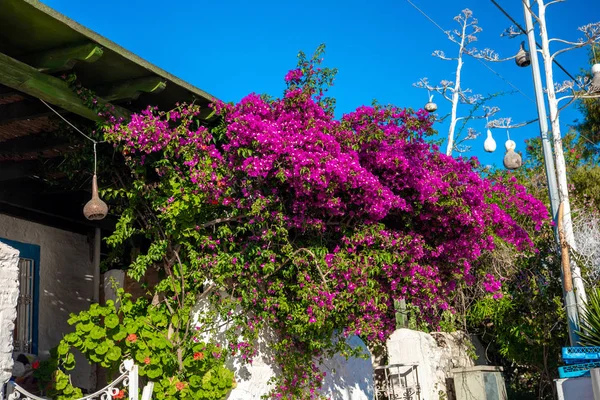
570 301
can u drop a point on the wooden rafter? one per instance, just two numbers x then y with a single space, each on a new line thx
27 79
131 89
64 58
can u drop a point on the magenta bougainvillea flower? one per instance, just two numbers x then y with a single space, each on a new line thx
318 224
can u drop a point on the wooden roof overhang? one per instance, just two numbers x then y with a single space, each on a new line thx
37 46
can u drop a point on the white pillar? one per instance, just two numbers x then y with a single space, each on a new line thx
9 295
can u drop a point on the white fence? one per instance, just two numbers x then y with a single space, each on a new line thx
127 380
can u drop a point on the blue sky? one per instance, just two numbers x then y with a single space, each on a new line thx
381 48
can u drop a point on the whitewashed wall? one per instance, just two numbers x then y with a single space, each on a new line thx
350 379
9 293
435 354
66 275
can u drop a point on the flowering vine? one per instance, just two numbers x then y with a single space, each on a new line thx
289 218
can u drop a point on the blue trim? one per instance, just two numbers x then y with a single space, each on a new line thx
32 252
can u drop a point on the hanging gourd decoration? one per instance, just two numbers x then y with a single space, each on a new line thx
95 209
522 58
430 106
595 86
490 144
512 160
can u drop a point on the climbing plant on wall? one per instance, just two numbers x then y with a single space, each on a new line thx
287 217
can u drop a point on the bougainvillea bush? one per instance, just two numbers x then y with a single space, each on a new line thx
311 224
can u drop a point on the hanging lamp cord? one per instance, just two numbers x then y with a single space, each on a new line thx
73 126
95 142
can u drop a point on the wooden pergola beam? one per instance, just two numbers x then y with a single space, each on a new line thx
131 89
64 58
27 79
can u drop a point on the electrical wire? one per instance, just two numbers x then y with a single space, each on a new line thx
525 33
428 17
480 61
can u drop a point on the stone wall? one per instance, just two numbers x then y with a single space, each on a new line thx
435 355
65 286
9 294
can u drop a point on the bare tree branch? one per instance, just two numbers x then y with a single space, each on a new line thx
587 91
534 15
506 123
511 32
591 35
489 55
441 55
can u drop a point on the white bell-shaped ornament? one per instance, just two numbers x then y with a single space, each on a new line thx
512 160
595 85
490 144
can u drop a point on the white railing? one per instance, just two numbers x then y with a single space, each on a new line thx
127 380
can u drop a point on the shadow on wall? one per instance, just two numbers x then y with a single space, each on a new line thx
349 379
345 379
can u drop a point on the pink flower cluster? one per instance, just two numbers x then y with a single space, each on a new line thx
367 210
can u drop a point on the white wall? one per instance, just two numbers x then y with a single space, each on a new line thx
575 388
9 293
350 379
66 275
435 354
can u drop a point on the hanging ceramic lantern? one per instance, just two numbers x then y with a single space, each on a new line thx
595 86
522 58
512 160
95 209
431 107
490 144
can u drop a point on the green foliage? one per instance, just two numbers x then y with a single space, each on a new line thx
524 330
586 185
590 320
589 127
180 362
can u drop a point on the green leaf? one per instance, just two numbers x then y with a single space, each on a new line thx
114 354
153 371
111 321
63 348
97 333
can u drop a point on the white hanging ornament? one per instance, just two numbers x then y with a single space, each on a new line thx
490 144
512 160
430 106
595 85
